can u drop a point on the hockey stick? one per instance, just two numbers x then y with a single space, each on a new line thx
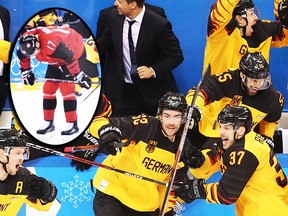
55 80
90 93
51 151
182 140
72 149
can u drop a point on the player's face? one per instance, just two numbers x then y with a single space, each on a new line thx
124 8
252 86
226 133
251 18
16 158
171 121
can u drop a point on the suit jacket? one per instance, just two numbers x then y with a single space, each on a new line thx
157 47
5 19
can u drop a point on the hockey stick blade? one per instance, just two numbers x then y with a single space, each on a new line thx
183 138
52 151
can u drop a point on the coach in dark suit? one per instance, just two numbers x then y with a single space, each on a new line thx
4 54
157 50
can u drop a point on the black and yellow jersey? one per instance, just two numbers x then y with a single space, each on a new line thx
225 89
150 154
225 46
14 193
251 177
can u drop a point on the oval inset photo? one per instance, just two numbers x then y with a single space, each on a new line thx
55 76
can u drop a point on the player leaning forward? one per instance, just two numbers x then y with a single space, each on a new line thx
17 184
151 153
252 177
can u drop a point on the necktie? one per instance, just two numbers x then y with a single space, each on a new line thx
133 72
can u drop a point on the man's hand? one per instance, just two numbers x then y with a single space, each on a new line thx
83 80
108 136
87 139
28 77
191 190
192 156
145 72
42 189
196 117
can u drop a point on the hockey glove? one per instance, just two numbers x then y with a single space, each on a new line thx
88 139
108 136
83 80
268 140
40 22
28 77
192 156
190 190
42 189
283 13
196 117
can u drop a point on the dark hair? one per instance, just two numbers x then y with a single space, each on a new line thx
140 3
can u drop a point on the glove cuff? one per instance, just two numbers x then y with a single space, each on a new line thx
110 129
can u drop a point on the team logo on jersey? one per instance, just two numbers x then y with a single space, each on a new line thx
236 100
151 146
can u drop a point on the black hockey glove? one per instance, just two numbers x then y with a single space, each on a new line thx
40 22
283 13
42 189
108 136
268 140
196 117
28 77
192 156
86 139
190 190
83 80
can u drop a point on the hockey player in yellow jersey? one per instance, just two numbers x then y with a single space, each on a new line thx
252 177
249 86
234 29
151 153
17 184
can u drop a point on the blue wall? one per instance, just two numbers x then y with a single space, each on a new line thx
188 18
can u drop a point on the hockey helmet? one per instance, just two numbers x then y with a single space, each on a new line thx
27 44
255 66
242 7
10 138
173 101
237 116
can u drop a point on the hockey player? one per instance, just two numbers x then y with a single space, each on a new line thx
17 184
249 86
151 152
64 51
252 177
234 29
